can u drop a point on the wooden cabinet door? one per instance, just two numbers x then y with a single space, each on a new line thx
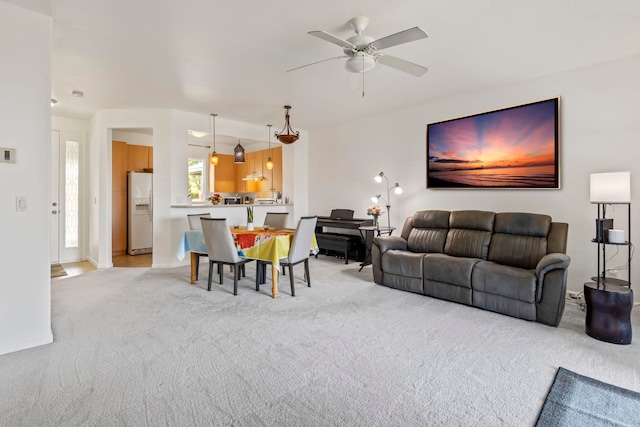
224 174
119 166
137 158
119 222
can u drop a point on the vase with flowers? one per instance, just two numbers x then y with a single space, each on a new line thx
216 199
375 212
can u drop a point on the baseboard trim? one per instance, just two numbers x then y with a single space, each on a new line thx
26 343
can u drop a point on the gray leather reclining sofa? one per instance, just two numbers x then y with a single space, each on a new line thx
510 263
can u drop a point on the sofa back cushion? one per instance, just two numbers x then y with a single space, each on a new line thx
428 231
469 234
519 239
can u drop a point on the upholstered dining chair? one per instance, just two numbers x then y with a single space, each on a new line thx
276 219
195 224
299 251
221 249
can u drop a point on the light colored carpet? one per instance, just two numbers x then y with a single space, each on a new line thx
143 347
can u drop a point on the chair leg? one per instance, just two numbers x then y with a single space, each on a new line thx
306 272
197 265
236 275
210 275
221 272
258 275
293 290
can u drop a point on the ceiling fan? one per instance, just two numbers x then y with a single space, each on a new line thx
363 52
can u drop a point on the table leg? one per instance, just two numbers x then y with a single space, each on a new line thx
274 281
194 261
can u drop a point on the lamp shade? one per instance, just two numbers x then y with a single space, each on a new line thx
610 187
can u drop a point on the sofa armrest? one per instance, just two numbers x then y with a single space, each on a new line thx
549 262
386 243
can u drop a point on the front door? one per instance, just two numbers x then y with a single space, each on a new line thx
55 196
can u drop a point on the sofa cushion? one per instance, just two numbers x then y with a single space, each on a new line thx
510 282
403 263
519 239
429 231
470 234
447 269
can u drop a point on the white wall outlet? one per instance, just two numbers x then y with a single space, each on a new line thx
21 204
613 273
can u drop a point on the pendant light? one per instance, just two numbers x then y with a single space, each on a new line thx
290 137
238 154
269 161
214 156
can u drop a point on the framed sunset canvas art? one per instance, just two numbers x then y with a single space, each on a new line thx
512 148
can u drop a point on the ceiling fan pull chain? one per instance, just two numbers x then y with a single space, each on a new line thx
363 76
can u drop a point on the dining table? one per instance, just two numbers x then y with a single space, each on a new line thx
270 245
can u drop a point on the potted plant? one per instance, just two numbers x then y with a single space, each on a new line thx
250 218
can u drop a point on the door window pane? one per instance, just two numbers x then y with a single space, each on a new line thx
71 194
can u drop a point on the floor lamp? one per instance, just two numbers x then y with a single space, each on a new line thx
396 190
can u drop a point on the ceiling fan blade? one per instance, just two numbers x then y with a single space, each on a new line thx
406 36
333 39
402 65
317 62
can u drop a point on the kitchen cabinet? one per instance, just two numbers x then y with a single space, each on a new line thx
228 175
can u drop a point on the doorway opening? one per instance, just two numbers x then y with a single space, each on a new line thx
132 197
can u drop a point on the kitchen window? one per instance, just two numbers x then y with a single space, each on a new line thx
197 179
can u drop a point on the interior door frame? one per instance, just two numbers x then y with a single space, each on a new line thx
67 254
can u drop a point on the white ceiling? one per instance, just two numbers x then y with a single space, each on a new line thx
231 57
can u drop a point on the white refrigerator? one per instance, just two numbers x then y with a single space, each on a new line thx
140 213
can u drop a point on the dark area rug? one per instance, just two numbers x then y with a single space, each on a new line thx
576 400
57 270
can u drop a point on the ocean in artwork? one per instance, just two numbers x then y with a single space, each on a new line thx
516 177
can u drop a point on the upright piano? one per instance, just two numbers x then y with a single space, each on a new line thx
330 237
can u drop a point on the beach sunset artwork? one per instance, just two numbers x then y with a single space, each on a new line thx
511 148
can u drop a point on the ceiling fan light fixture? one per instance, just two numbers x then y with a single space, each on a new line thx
290 137
360 63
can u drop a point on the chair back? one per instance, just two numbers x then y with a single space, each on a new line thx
276 219
194 220
342 213
219 241
301 245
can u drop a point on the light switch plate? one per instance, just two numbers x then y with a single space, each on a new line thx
7 155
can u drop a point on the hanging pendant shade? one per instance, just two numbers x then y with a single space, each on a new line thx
238 154
269 161
214 156
290 137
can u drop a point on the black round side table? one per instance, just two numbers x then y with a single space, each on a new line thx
608 312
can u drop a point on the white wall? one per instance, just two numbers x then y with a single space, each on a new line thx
25 307
599 129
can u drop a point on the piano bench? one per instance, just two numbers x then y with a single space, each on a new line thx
344 243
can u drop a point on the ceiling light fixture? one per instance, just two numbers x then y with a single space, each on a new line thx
77 93
269 161
214 156
290 137
238 154
53 102
197 133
